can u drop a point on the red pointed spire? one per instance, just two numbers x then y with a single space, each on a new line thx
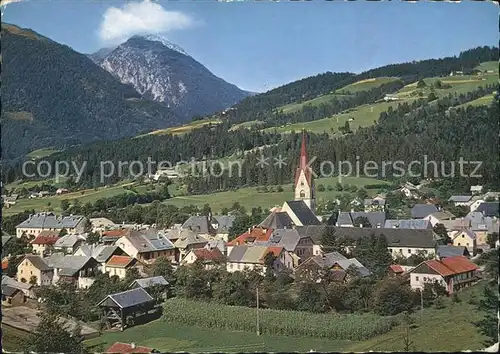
303 152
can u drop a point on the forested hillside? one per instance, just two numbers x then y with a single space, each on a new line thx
54 96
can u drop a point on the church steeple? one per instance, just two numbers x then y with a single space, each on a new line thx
304 183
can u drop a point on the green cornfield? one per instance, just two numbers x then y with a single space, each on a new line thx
276 322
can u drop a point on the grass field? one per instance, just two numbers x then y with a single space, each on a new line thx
488 65
38 154
245 125
363 116
294 107
249 197
448 329
183 129
481 101
367 84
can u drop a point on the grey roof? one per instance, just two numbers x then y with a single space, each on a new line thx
101 253
8 290
277 220
286 238
37 261
303 212
150 240
395 237
188 237
217 243
15 284
69 265
54 258
460 198
129 298
69 240
408 224
51 221
361 269
225 222
420 211
479 222
148 282
451 251
376 218
328 259
312 231
6 239
236 254
200 224
247 254
443 215
488 208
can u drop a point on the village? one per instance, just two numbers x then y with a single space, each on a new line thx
433 247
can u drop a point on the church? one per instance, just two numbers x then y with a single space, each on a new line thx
301 210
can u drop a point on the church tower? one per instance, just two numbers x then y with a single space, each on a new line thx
304 182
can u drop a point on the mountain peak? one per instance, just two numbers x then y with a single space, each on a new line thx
162 40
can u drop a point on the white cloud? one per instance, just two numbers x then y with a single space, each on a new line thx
118 24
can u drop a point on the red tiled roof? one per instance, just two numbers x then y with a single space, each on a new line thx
127 348
208 255
45 240
274 250
119 261
396 268
115 233
255 234
452 265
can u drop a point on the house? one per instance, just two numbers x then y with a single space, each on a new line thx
460 200
348 219
401 270
101 253
201 225
454 273
489 209
9 201
69 243
339 265
390 97
252 257
147 245
277 220
439 217
217 243
42 194
61 191
209 258
296 244
476 189
409 190
146 283
33 269
420 211
102 224
43 244
419 224
39 222
248 238
375 204
118 265
76 269
12 296
132 348
187 241
466 238
482 226
109 237
444 251
222 224
475 202
26 288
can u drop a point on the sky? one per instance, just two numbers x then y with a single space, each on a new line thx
261 45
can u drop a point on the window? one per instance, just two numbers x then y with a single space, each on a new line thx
425 278
459 243
302 194
401 250
467 244
416 278
409 250
463 236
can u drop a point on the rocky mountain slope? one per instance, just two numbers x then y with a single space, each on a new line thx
54 96
163 72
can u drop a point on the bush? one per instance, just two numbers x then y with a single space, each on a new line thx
276 322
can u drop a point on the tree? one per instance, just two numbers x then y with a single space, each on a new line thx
163 267
64 205
206 210
393 296
93 238
321 188
241 224
421 84
440 230
361 221
362 193
491 239
373 253
33 280
310 298
87 226
269 260
63 232
51 336
432 97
